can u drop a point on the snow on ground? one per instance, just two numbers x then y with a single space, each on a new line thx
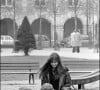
66 52
23 85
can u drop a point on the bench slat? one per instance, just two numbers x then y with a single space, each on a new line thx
19 66
94 76
35 72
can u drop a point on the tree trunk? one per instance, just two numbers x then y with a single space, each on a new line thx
26 51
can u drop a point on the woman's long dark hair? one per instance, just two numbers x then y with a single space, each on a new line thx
47 66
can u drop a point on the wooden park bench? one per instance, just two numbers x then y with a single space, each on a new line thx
33 68
83 71
85 79
20 68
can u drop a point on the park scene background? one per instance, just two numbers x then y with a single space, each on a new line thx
33 29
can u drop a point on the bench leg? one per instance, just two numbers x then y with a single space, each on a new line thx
31 76
81 86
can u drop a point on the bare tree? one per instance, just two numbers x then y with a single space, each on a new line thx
76 8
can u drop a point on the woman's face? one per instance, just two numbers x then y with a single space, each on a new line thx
54 63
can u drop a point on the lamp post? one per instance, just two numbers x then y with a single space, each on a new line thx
55 34
39 5
40 26
93 29
87 5
75 9
14 29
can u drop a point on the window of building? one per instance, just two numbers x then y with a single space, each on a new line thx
6 2
9 2
3 2
37 2
76 2
72 2
42 2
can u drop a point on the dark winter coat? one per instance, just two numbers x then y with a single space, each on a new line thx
64 79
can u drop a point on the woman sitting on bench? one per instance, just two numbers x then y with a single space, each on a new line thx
54 73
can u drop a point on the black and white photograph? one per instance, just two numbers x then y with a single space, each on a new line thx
49 45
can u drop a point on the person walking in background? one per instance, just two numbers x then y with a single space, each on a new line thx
76 41
55 73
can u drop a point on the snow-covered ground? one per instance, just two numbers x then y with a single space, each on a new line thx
66 52
23 85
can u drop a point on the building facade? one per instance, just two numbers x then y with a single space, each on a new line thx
55 15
